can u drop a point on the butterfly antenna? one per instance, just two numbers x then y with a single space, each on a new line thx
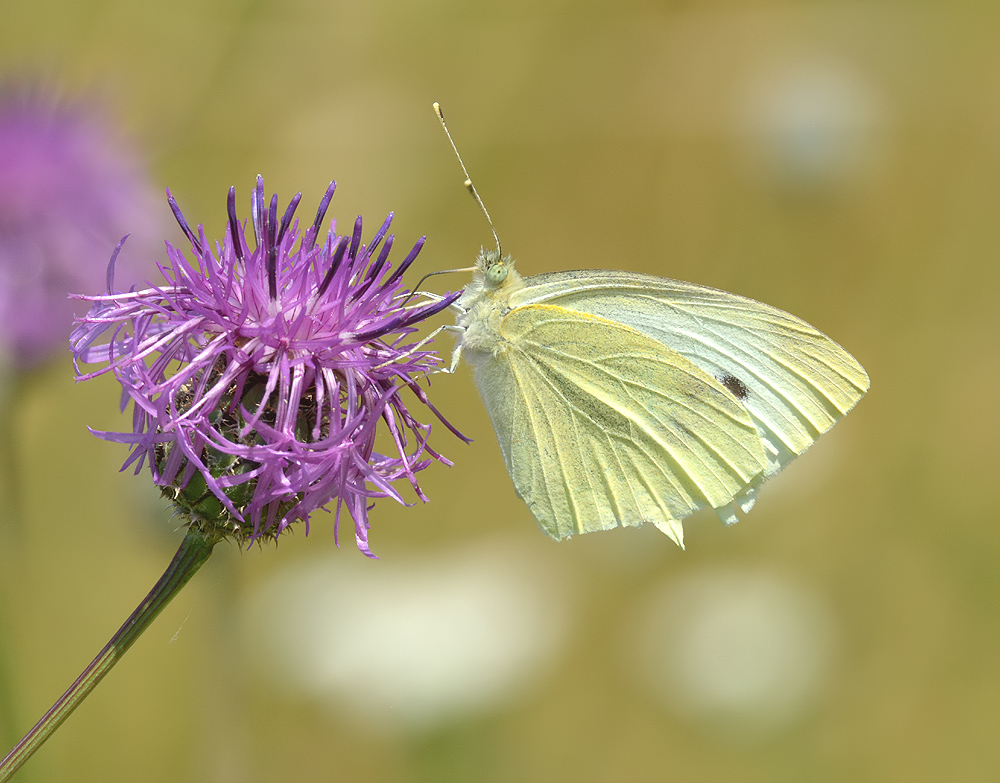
468 179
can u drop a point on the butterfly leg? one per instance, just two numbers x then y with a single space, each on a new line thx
454 307
456 355
446 328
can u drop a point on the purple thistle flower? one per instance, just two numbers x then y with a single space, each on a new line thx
260 378
69 188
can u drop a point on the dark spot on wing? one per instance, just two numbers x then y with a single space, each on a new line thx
736 386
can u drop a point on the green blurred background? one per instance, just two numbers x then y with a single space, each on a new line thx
838 160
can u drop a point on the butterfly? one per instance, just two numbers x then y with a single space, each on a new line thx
620 398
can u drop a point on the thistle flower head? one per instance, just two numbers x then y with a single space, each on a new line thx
260 378
69 188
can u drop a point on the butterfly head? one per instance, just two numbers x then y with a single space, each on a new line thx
494 268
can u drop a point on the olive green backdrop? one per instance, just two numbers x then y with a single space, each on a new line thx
838 160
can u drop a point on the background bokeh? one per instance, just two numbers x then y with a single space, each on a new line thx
840 160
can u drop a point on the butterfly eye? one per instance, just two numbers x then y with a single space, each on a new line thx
496 274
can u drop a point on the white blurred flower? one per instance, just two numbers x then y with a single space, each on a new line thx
743 651
812 123
411 643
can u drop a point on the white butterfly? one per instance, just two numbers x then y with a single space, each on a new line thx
620 398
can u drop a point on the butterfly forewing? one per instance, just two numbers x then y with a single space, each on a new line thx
794 381
601 425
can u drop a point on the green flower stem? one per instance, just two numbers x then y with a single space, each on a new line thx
192 554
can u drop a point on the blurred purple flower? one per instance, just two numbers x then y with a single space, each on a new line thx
69 188
259 378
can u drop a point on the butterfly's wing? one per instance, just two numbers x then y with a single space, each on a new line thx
794 380
601 425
